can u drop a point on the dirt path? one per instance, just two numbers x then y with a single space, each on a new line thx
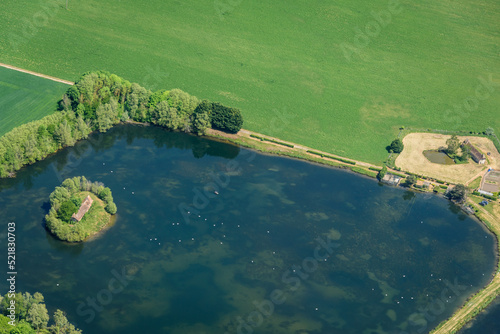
37 74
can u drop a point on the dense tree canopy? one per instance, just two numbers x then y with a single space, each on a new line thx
410 180
97 102
382 172
225 118
458 193
31 316
38 316
397 146
465 153
453 145
66 210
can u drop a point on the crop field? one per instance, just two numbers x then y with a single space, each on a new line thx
25 98
339 76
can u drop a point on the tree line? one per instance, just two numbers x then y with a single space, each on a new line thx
31 316
97 102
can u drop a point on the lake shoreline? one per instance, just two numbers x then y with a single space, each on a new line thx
455 322
359 167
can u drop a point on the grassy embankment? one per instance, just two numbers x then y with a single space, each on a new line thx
281 63
270 145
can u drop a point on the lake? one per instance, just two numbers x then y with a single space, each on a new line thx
213 238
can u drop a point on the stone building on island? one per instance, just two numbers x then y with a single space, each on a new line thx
87 203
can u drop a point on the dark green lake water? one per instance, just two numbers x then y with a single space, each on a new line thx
335 252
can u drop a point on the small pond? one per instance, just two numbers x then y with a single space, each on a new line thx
438 157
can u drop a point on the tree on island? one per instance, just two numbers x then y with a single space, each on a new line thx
67 200
396 146
67 209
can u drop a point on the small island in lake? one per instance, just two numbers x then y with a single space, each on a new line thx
79 209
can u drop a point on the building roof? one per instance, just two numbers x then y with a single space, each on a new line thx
391 179
87 203
474 151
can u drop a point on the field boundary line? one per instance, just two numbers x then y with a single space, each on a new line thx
37 74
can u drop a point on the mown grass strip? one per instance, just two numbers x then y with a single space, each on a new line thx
332 157
364 171
271 141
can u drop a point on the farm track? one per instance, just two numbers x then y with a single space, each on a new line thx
37 74
454 323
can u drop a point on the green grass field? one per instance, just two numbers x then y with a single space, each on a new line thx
282 62
475 183
25 98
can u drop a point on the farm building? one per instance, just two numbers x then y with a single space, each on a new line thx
87 203
391 179
474 153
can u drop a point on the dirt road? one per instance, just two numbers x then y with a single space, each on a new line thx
37 74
